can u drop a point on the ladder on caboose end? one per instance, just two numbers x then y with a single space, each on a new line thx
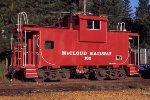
21 50
30 69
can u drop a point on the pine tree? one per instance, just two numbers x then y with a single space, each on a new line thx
6 20
142 9
99 7
114 11
111 8
38 12
127 11
127 14
143 22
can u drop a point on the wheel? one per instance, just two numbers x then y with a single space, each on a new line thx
100 74
54 75
86 75
112 74
121 73
65 74
42 76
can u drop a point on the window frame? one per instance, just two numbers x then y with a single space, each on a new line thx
118 57
48 44
93 25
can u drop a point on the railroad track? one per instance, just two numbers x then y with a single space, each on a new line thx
7 89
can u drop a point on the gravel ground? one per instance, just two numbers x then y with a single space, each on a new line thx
128 94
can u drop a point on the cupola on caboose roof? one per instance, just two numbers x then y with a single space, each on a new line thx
91 28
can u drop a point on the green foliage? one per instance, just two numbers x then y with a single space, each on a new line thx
143 22
39 12
127 11
116 10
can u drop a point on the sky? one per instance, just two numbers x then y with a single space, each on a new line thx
134 3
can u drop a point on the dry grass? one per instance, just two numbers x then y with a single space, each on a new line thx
132 94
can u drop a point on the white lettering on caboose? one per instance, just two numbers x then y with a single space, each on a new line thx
78 53
87 55
74 53
101 53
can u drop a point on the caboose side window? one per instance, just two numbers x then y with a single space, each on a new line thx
93 24
118 57
49 44
96 24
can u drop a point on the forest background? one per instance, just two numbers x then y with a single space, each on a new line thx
39 12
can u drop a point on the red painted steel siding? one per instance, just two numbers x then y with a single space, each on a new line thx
89 35
68 41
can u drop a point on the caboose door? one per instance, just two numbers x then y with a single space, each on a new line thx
32 49
35 49
132 56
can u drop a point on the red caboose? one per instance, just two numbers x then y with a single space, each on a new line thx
80 44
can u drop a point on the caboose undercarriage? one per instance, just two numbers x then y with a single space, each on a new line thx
91 73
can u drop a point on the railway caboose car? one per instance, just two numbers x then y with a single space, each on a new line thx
80 44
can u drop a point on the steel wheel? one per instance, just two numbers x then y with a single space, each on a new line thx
121 73
112 74
42 76
64 74
86 75
54 75
100 74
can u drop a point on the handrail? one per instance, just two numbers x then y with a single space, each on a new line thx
121 26
20 15
25 18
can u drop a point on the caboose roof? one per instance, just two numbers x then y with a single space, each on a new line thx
102 18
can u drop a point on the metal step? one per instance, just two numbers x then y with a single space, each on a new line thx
133 70
31 71
30 66
31 75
